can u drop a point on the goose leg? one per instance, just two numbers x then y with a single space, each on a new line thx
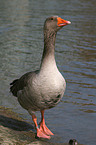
43 127
40 134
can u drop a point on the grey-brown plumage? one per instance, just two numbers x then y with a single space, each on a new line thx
42 89
19 84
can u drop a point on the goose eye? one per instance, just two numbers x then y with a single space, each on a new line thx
52 18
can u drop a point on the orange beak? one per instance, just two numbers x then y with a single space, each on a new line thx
62 22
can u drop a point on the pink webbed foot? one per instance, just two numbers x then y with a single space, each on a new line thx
41 134
45 129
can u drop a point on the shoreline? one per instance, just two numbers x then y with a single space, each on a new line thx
16 131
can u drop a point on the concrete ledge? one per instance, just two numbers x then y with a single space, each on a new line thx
15 131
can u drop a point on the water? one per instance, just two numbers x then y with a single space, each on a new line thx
21 46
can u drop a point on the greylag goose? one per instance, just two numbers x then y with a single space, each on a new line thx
43 88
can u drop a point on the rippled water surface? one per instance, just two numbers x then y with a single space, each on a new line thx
21 46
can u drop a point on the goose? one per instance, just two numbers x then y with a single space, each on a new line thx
43 88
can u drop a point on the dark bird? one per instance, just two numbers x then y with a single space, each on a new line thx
73 142
43 88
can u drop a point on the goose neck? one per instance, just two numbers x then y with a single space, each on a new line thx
49 47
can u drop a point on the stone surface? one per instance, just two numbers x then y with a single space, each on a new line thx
15 131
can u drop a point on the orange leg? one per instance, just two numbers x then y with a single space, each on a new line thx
40 134
43 127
